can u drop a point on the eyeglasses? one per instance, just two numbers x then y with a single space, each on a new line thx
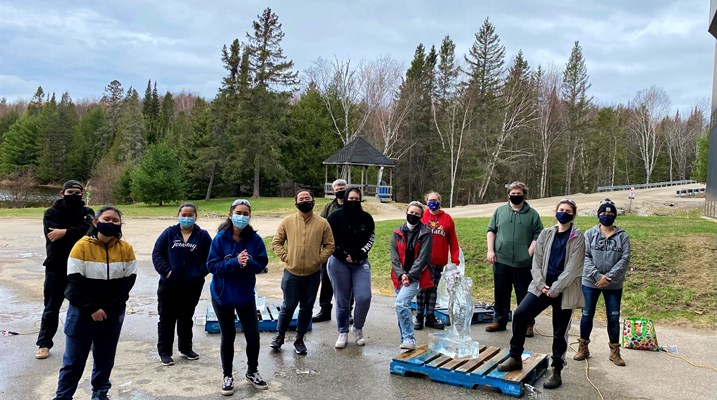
569 201
241 202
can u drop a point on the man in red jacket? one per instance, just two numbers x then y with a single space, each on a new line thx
445 241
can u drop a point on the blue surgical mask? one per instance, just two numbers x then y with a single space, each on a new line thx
240 221
434 205
563 217
606 219
186 222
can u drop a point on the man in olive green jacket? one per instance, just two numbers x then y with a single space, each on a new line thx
309 243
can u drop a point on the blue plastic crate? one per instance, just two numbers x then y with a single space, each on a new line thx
268 320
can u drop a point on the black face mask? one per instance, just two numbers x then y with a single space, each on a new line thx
73 200
340 194
352 206
109 229
305 206
517 199
413 219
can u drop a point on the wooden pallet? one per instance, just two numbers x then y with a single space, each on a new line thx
471 372
268 320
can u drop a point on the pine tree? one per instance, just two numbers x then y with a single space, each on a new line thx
263 108
166 117
159 178
266 58
81 156
113 102
131 142
574 94
59 122
20 146
150 110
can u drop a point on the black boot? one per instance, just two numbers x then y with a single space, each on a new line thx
418 325
433 322
323 315
510 364
554 380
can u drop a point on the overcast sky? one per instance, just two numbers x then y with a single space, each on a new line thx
80 46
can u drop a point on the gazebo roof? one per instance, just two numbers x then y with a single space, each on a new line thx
359 152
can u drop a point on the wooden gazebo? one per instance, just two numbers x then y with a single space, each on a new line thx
359 153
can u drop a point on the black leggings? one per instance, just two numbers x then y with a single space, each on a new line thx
531 307
250 324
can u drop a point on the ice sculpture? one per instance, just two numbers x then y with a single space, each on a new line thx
456 341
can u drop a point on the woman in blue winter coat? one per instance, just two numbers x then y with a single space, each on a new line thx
607 257
180 258
237 254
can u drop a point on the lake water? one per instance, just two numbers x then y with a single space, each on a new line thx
34 197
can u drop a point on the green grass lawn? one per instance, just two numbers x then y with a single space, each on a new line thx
213 207
673 274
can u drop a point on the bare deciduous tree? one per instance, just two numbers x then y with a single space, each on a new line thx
648 107
550 119
343 90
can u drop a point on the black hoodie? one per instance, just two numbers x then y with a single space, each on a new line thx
353 233
77 222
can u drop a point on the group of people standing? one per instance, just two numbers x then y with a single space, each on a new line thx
89 264
557 267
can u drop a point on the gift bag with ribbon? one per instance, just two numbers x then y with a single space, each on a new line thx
639 333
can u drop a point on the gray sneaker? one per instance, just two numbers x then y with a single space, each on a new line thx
408 344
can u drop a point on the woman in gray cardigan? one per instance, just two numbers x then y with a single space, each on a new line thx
607 256
557 269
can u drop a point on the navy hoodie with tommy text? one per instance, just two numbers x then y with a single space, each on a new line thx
187 261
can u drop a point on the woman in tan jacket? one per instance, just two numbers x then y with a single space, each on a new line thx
557 273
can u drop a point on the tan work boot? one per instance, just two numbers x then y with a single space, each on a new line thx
495 327
42 353
615 355
583 351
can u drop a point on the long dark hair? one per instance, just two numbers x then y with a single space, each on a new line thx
227 226
93 230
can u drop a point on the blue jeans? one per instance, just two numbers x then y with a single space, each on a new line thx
612 308
82 335
347 279
404 295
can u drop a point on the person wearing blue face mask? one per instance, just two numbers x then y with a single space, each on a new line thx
180 257
557 272
236 255
607 258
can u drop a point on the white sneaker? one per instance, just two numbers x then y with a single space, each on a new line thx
358 334
342 340
408 344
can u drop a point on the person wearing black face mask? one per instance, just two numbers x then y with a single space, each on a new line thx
101 271
64 224
303 241
411 246
349 268
327 291
607 259
512 233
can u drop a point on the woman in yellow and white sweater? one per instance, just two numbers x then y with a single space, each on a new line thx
101 271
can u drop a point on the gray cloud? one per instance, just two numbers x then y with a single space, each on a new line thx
80 46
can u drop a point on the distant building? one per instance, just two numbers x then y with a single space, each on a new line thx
711 190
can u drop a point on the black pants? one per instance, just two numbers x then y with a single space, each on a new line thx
298 291
176 304
531 307
505 278
250 325
426 299
54 294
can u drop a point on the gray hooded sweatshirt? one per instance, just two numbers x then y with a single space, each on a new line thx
606 256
